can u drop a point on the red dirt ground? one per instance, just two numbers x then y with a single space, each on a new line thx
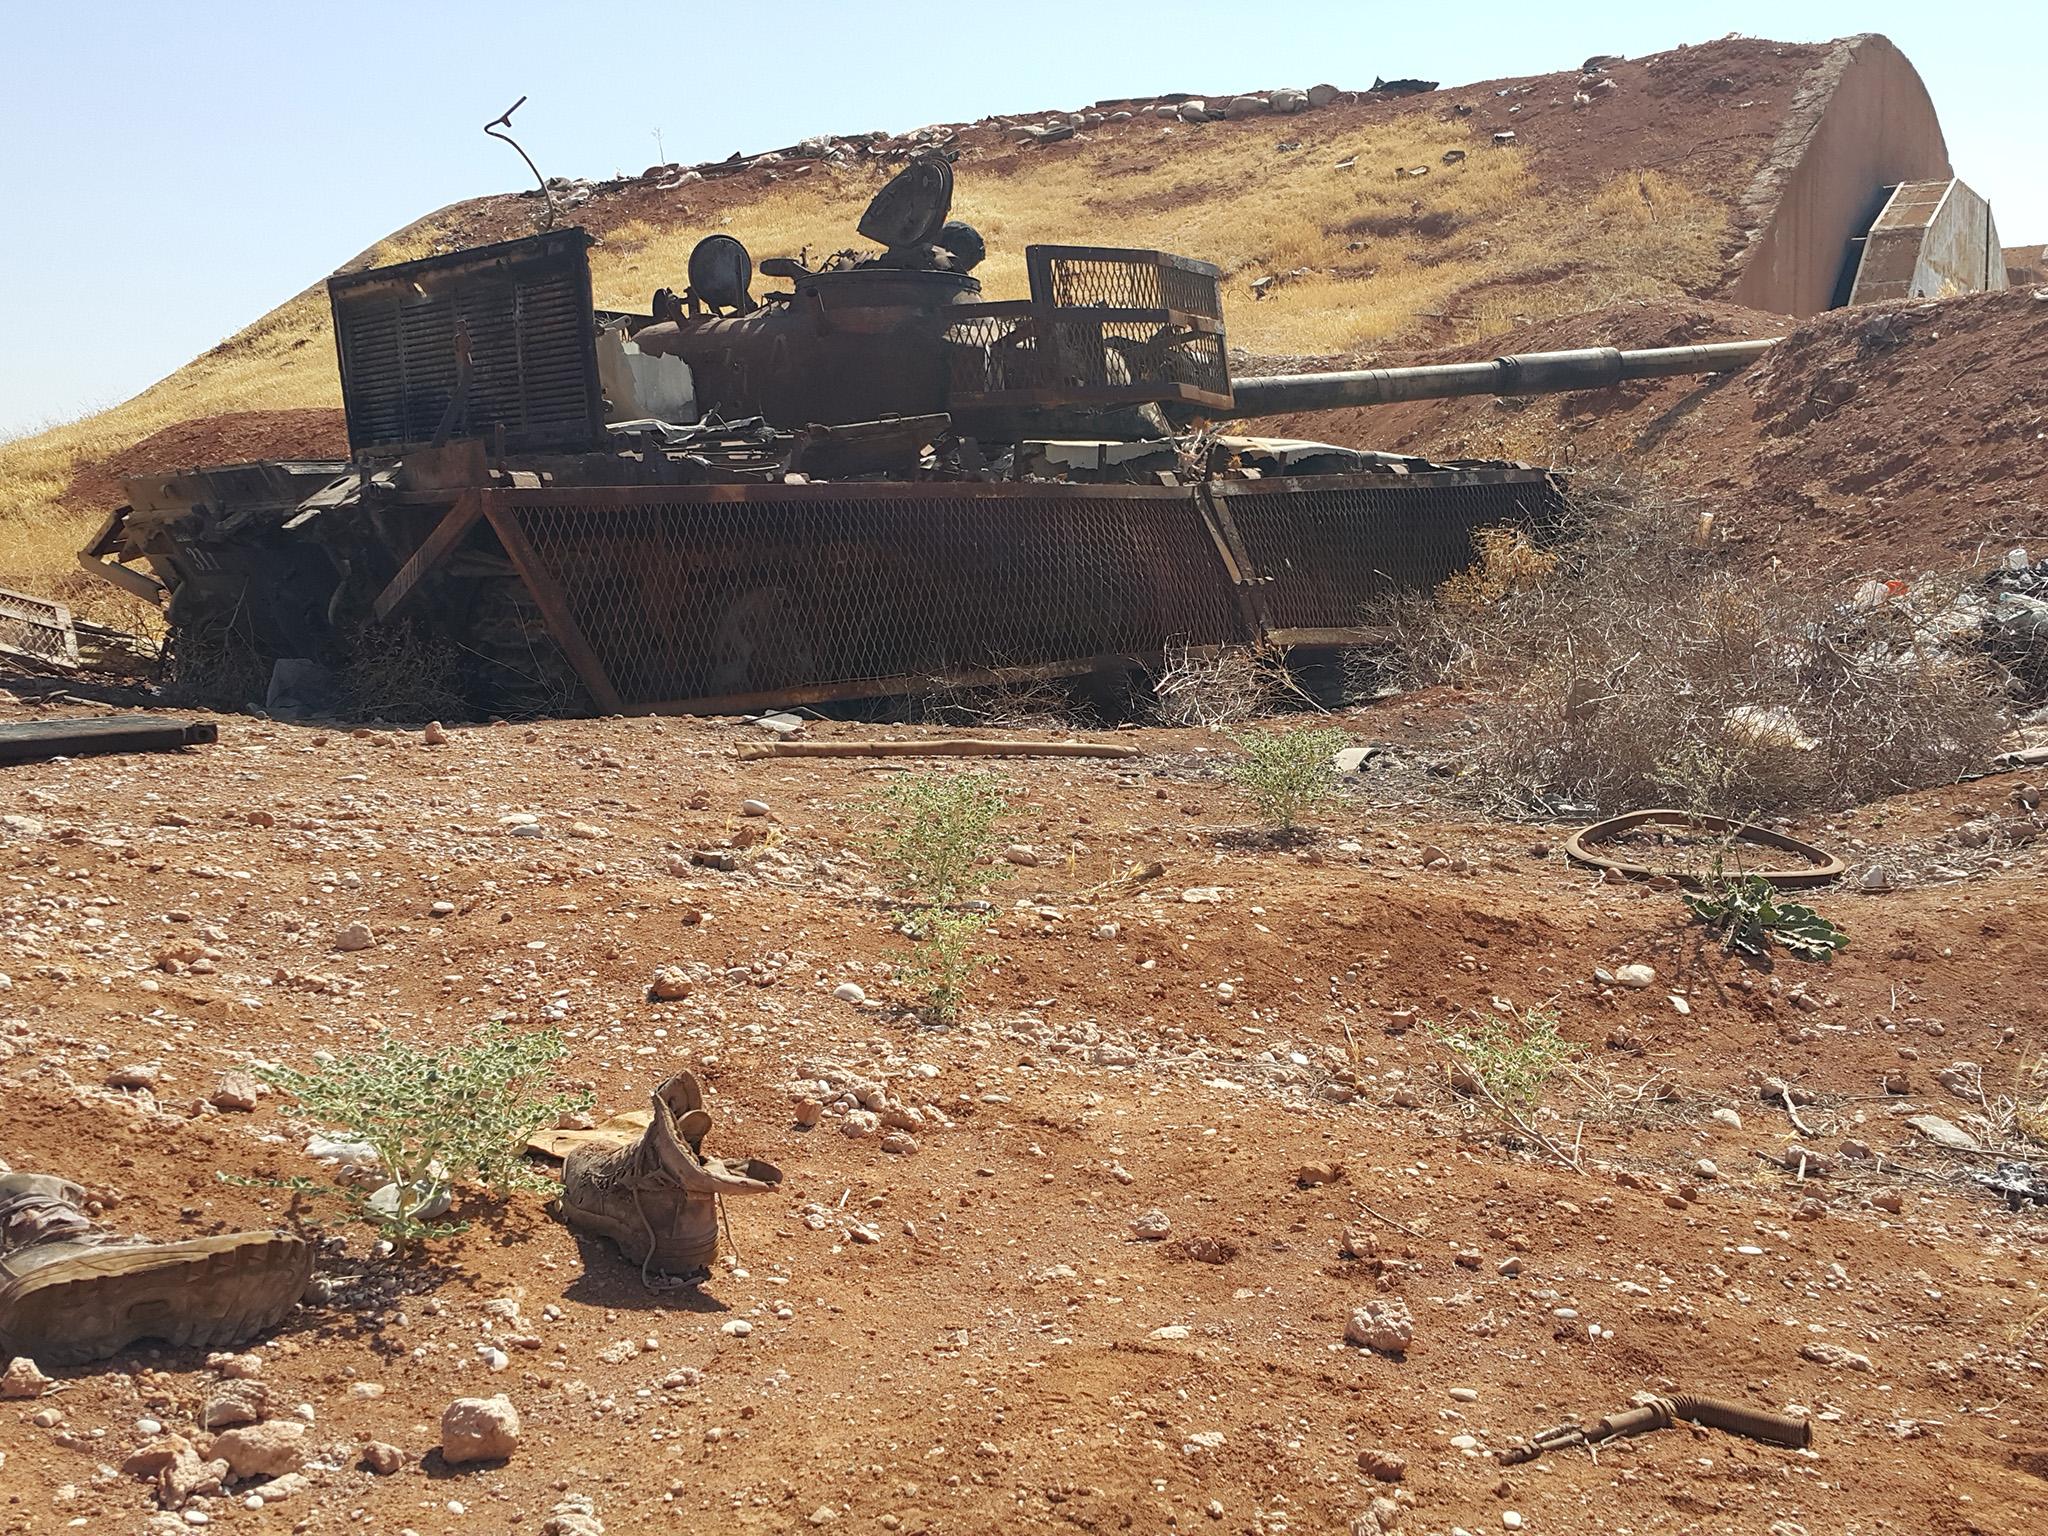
237 437
1006 1355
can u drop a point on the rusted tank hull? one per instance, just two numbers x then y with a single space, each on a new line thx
713 599
721 598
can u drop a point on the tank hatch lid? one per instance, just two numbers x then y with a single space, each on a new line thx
912 208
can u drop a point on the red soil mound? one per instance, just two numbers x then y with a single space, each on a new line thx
1901 436
315 432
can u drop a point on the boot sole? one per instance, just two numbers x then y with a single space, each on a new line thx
209 1292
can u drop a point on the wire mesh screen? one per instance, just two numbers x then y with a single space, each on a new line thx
1076 276
1020 352
37 627
689 595
1326 549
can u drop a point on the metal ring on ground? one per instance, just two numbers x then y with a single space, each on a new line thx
1823 867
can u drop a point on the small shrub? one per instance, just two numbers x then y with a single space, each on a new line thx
933 834
1006 703
1750 916
946 956
399 672
1286 774
213 663
436 1119
1508 1065
1225 687
1511 1061
1509 562
934 837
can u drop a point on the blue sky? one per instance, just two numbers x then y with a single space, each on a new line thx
171 171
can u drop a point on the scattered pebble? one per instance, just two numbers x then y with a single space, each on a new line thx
1151 1226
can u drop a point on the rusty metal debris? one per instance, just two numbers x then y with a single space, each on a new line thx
500 127
846 488
37 630
941 747
1718 832
1652 1413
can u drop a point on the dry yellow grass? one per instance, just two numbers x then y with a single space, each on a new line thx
1463 251
1225 197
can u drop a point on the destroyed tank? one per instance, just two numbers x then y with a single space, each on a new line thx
867 484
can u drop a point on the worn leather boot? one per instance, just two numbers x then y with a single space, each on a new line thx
70 1291
658 1197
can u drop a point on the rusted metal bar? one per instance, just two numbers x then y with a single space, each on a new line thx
881 687
439 543
554 609
946 747
32 741
1244 582
1661 1413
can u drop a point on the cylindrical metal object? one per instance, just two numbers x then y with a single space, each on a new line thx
1530 373
1741 1419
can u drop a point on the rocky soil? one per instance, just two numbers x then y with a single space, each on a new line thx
1182 1227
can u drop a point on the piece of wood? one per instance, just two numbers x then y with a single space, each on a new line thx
954 746
32 741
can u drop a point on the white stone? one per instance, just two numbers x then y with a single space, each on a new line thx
1384 1324
22 1378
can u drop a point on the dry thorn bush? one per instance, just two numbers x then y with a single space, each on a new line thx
1633 662
214 664
397 672
1216 688
1020 703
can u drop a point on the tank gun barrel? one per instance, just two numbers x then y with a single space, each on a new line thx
1530 373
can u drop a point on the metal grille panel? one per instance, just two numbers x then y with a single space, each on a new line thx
1326 548
524 309
688 596
38 628
1090 276
1019 353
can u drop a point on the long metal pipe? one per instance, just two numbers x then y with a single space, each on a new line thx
1530 373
